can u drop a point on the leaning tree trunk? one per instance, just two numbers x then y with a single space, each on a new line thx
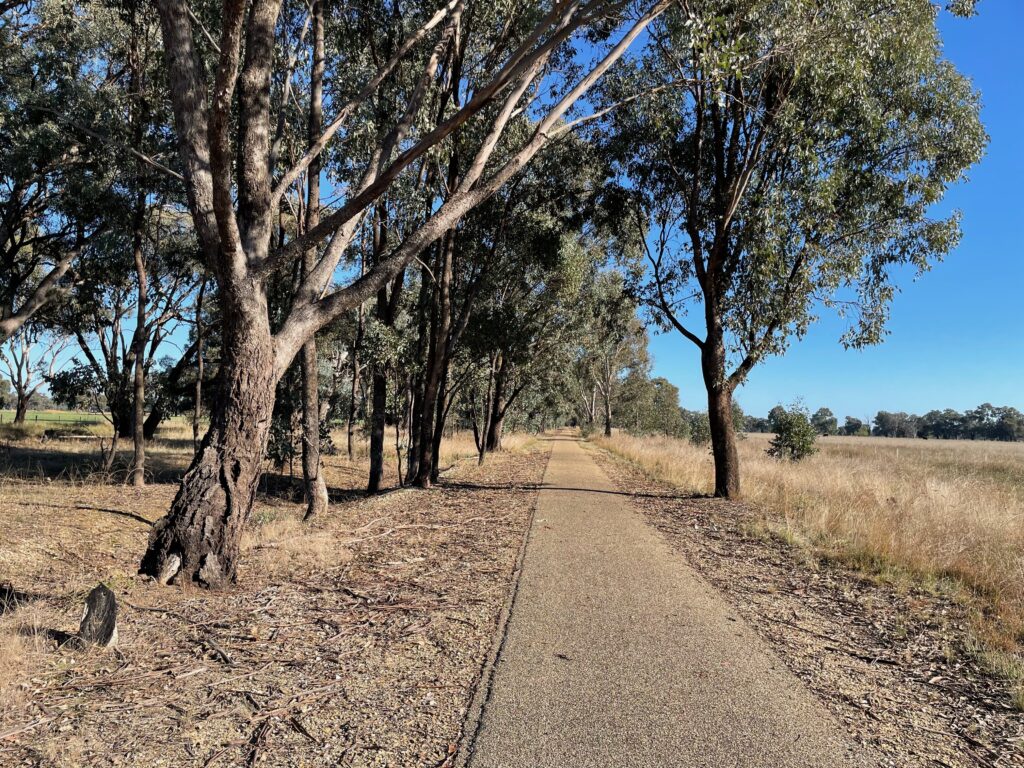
199 538
723 433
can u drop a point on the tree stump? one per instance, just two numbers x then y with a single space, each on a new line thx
99 622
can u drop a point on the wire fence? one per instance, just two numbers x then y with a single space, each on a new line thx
69 419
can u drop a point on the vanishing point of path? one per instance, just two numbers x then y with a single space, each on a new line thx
617 653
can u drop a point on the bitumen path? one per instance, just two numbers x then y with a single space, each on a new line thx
617 653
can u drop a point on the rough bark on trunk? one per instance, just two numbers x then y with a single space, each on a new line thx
156 416
121 415
198 409
723 434
199 538
21 409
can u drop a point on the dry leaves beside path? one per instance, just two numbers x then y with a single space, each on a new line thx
354 642
890 663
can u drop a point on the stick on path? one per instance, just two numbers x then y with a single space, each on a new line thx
618 654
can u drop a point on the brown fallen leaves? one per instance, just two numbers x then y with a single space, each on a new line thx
354 641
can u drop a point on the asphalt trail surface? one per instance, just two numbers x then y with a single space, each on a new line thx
616 653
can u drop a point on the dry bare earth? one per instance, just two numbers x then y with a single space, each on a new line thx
356 641
891 661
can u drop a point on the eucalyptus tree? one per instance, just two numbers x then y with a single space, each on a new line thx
531 315
101 313
53 187
493 247
615 342
28 358
235 193
789 161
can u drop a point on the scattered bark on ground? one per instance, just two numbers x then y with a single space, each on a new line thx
355 640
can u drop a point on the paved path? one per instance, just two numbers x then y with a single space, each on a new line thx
618 654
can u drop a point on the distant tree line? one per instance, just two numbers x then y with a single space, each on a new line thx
986 422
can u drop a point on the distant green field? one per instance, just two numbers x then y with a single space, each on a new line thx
55 417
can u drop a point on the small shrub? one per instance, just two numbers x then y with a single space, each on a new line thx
700 428
794 435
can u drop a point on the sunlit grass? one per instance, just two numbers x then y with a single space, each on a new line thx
944 513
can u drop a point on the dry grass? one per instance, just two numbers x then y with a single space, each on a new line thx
945 513
350 640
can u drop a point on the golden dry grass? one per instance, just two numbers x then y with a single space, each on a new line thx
946 513
62 531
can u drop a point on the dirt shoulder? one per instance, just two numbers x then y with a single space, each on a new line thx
891 663
354 642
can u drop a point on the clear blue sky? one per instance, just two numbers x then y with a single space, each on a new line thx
957 333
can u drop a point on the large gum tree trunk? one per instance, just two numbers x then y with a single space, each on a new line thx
723 433
21 409
199 538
